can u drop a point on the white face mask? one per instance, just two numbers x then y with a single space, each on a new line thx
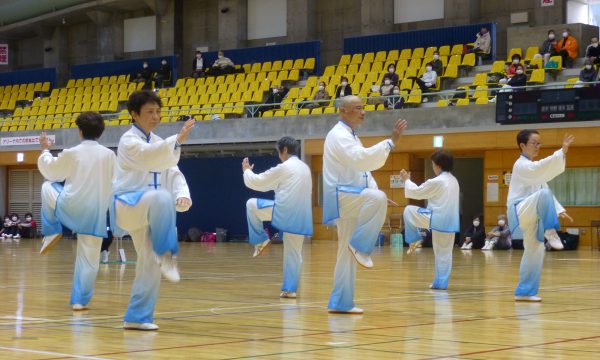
435 57
14 218
28 218
501 222
551 36
392 70
515 61
565 34
321 87
198 56
519 72
145 66
275 91
476 223
428 68
164 63
396 92
588 67
220 56
595 44
387 82
344 83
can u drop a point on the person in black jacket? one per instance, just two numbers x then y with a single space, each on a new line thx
475 234
344 89
519 79
163 75
198 66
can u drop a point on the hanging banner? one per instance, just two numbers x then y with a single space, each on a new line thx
3 54
547 2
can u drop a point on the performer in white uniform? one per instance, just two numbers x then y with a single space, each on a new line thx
81 204
533 210
351 199
290 213
441 215
148 189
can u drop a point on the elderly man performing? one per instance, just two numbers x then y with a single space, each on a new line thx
441 215
290 213
81 204
351 199
148 189
533 210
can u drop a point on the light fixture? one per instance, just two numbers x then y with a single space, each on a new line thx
438 141
20 157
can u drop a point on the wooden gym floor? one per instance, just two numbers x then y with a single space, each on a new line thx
227 306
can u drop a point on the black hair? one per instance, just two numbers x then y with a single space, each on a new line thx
29 214
342 78
516 56
524 135
14 214
443 159
140 98
390 65
91 125
550 31
290 143
478 216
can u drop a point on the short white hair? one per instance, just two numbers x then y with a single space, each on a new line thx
347 100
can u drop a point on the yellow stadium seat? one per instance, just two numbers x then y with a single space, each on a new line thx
266 66
454 60
414 97
377 67
482 101
429 52
304 111
309 64
479 79
457 49
71 83
356 59
442 103
536 63
462 102
514 51
380 56
468 60
368 57
531 52
558 60
287 65
298 64
255 67
418 53
405 54
480 91
498 66
344 59
538 77
415 64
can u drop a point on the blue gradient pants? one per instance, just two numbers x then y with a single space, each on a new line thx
151 224
536 213
87 260
292 244
361 218
443 243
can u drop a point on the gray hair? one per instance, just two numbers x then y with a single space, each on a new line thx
347 100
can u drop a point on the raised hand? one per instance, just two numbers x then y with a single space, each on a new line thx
185 131
405 175
246 164
398 130
567 141
45 142
564 215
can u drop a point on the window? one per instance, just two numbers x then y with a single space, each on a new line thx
577 187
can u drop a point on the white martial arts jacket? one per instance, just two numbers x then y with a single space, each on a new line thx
528 177
347 166
292 182
442 194
147 162
87 170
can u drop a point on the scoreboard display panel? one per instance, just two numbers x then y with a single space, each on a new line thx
552 105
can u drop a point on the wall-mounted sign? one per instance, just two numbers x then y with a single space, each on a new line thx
547 2
23 140
396 182
3 54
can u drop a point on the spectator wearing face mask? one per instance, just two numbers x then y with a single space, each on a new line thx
6 233
548 47
427 80
343 89
588 73
395 101
499 238
145 75
437 64
512 68
387 87
27 228
163 75
14 226
391 75
483 43
319 97
223 65
519 79
475 234
198 66
593 52
275 97
567 48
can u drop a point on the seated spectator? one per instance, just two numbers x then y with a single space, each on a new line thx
512 68
499 238
593 52
391 74
483 44
548 46
198 66
396 102
587 74
146 75
519 79
567 48
12 227
343 89
319 97
437 64
475 234
275 98
163 75
387 87
222 65
27 228
6 233
427 81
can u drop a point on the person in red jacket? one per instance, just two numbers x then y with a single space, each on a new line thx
567 47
